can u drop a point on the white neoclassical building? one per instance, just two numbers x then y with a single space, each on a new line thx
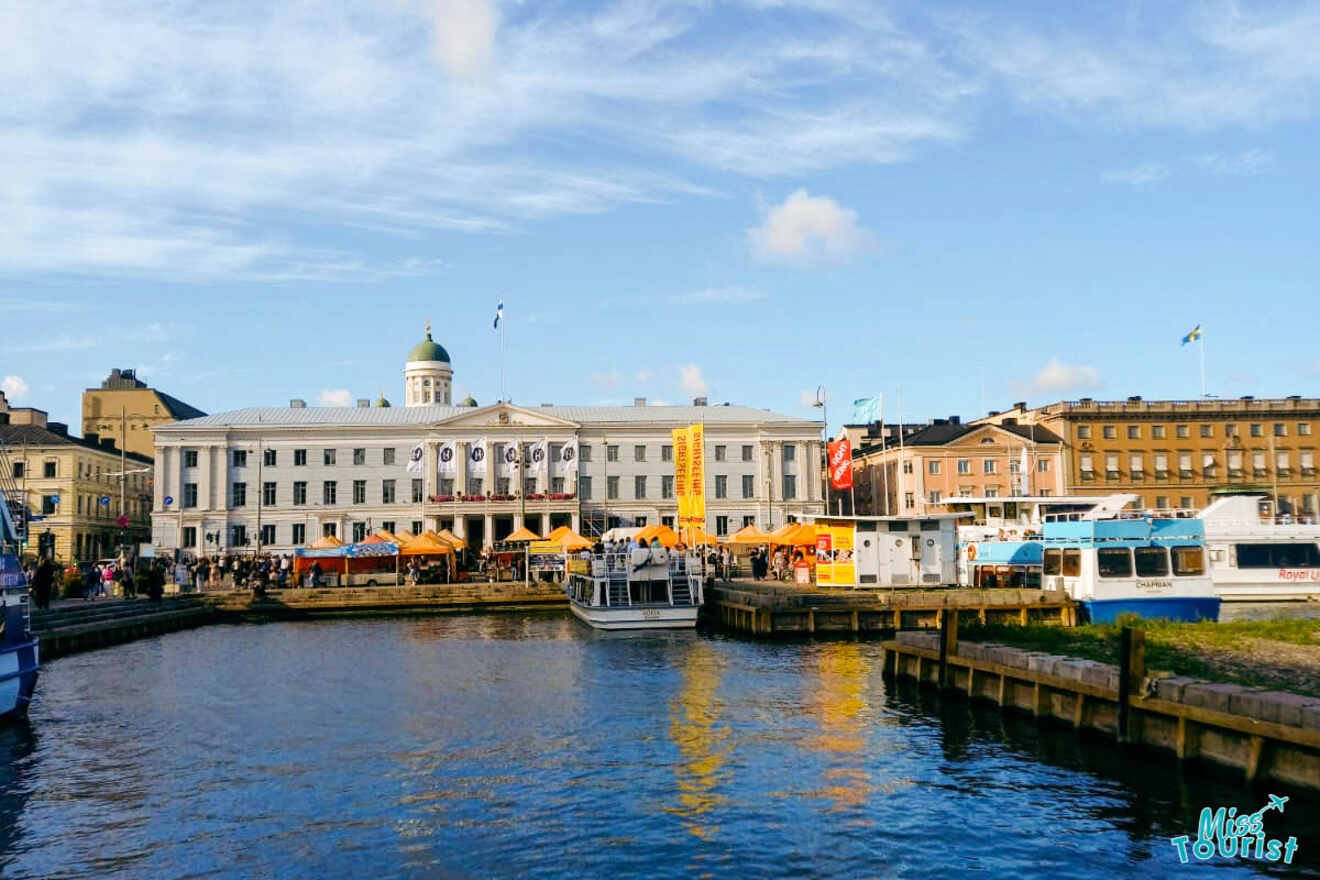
278 478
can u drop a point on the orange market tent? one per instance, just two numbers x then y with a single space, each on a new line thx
390 536
522 535
325 543
376 539
558 533
794 535
403 539
427 544
698 536
663 533
453 540
571 541
750 536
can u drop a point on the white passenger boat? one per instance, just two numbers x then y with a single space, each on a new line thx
646 588
19 648
1254 558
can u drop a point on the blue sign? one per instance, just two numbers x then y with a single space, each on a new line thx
169 499
54 499
104 500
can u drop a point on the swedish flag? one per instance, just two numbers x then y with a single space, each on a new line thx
1193 336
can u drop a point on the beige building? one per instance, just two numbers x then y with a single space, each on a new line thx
73 485
948 458
126 410
1184 453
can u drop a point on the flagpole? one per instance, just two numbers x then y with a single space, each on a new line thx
504 395
884 467
1201 339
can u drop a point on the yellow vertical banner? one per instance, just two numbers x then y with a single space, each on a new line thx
836 564
697 476
681 437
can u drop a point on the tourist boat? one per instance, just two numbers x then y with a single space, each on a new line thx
18 647
1111 563
644 588
1255 558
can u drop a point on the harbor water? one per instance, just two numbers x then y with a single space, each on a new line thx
506 746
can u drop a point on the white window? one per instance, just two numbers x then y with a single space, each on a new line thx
1258 460
1135 464
1235 461
991 491
935 496
1208 461
1043 465
1282 461
1161 462
1087 464
964 465
1184 461
1307 460
932 467
907 467
990 466
1111 463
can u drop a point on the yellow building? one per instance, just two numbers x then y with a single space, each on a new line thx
73 485
125 405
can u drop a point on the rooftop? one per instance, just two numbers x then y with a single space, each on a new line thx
342 416
18 436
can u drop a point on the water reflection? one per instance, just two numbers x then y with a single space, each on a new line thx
839 696
17 745
703 746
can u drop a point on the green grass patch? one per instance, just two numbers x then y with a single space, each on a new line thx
1217 651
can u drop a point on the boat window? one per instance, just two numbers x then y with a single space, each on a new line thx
1151 561
1188 561
1114 562
1072 563
1300 555
1053 560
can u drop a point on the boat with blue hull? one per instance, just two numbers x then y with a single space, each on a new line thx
19 649
1126 563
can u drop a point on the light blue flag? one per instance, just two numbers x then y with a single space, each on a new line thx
868 409
499 313
1193 336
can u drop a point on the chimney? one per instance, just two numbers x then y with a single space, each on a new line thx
1086 400
1136 398
363 403
58 428
639 401
92 437
547 405
107 443
297 404
1021 404
955 420
698 401
993 412
1248 397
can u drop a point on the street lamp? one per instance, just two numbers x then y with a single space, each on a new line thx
825 427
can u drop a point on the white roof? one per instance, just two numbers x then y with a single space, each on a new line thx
352 416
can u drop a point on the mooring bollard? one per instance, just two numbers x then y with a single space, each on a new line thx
1131 670
948 644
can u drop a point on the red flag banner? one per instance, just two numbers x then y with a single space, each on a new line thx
841 463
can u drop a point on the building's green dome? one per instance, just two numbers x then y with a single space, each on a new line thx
428 350
470 401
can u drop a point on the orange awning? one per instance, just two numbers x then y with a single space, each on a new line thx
523 535
571 540
426 545
454 540
750 535
326 543
794 535
558 533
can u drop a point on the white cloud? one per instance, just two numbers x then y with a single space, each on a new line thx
465 35
608 380
732 294
14 387
1139 175
336 397
691 379
1248 162
644 376
807 227
1058 377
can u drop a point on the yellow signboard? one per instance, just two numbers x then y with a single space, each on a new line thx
697 476
835 563
681 437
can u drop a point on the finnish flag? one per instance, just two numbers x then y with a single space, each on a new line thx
499 313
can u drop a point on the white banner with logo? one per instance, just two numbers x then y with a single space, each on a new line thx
446 458
568 456
415 458
477 458
540 456
508 460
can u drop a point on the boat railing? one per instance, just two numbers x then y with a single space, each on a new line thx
617 571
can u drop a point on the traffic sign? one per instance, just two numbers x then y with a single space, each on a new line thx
54 499
169 499
104 500
122 521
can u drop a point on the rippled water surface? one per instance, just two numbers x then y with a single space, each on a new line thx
502 746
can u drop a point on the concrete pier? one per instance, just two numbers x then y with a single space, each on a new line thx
767 608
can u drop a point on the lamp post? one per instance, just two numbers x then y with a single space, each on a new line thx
825 429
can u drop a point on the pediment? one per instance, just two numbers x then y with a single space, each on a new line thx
505 415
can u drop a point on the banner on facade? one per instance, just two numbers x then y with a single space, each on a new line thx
415 458
568 455
835 565
477 458
841 476
540 456
508 460
446 458
681 437
697 476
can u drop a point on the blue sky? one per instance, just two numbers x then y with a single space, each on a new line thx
975 203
